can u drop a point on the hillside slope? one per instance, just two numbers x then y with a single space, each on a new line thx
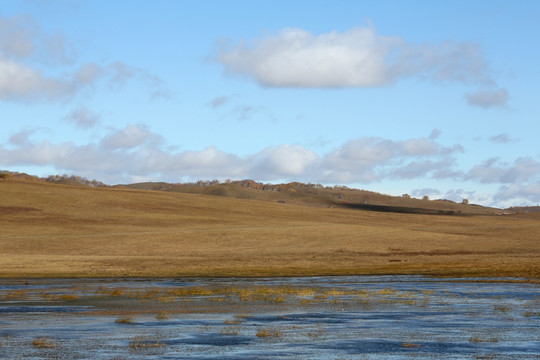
310 194
50 229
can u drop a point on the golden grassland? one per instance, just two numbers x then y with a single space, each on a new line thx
51 230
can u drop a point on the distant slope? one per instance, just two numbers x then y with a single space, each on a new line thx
316 195
300 194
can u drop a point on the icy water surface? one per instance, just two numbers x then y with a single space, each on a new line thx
385 317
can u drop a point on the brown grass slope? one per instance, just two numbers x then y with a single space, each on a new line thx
60 230
298 193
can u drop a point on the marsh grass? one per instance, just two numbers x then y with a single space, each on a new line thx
141 343
43 343
281 294
501 308
124 320
17 294
230 331
162 316
166 299
268 294
478 339
265 333
387 291
410 345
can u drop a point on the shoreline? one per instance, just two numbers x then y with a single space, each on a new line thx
426 277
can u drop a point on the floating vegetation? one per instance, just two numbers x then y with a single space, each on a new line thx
162 316
478 339
43 343
116 292
410 345
230 331
139 343
124 320
264 333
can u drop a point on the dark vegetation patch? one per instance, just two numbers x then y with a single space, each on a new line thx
398 209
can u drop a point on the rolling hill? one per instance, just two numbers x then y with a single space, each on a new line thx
73 230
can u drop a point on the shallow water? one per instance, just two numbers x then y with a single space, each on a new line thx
383 317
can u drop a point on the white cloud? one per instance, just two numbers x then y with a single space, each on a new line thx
493 97
22 38
297 58
130 137
285 161
370 159
355 58
20 82
419 169
430 192
135 152
456 195
29 58
495 171
21 138
16 36
519 194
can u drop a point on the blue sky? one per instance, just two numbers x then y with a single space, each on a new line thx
437 98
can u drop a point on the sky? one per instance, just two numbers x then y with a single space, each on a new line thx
437 98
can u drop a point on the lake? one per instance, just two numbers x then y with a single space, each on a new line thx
356 317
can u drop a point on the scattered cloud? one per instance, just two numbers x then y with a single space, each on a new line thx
120 73
218 102
503 138
422 168
138 151
243 113
26 51
20 82
285 161
239 111
83 118
21 38
420 193
21 138
519 194
358 57
130 137
495 97
370 159
495 171
135 152
456 195
435 133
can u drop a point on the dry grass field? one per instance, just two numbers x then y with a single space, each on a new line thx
52 230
